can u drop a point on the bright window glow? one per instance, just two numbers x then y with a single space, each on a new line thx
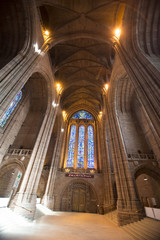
10 110
81 139
90 136
71 147
82 115
81 152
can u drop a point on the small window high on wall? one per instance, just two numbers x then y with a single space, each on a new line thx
81 141
10 110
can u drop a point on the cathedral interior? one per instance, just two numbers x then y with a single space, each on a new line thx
80 108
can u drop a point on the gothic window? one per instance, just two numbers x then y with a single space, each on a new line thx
10 110
81 152
71 147
82 115
90 144
81 139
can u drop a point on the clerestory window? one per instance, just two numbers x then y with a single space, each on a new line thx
10 109
81 141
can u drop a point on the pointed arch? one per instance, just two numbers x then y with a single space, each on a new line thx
81 153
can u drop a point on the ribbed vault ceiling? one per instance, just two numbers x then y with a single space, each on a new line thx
82 61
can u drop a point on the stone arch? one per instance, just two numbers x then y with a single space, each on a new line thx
147 180
149 169
13 29
148 30
68 202
131 128
23 125
9 171
12 163
36 90
78 123
82 107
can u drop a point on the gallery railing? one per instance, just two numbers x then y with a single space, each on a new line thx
19 152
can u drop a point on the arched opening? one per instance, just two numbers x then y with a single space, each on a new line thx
10 180
13 29
36 91
148 187
24 124
127 107
81 140
79 196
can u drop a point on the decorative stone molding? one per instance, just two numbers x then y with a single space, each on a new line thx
19 152
141 157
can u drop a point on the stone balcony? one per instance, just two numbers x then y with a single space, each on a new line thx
20 154
141 158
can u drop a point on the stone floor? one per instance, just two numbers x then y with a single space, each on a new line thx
67 226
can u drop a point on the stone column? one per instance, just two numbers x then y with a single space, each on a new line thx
141 68
109 201
128 205
48 198
16 73
25 202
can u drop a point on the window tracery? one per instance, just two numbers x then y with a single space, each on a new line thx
81 140
90 144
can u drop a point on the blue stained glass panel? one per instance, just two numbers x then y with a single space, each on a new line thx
10 110
81 138
90 135
71 146
82 115
18 178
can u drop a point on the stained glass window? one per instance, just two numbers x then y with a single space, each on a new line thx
82 115
71 147
10 110
81 139
18 178
90 135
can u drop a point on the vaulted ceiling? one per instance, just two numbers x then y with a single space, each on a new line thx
82 60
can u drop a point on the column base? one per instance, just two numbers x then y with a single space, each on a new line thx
132 213
48 202
25 204
109 207
129 217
